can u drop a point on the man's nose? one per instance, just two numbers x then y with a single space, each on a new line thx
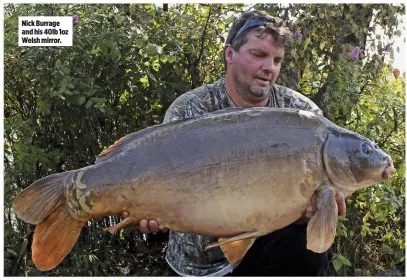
269 65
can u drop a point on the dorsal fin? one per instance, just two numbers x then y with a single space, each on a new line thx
120 145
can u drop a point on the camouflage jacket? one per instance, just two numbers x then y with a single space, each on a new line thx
185 253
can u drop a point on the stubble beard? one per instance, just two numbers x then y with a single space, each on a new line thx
259 92
249 91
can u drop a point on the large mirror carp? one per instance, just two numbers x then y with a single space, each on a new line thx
236 174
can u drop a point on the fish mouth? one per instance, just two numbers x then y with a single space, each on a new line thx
388 170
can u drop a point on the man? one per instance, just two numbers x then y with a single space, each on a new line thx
253 54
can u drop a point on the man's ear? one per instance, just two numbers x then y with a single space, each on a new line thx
228 54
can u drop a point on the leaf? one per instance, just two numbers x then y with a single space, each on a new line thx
396 73
65 70
171 59
399 254
119 19
345 261
152 77
159 49
386 249
81 100
151 49
306 43
139 43
294 54
88 104
98 100
11 251
144 80
337 265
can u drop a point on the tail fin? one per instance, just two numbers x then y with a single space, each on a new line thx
54 238
40 199
44 204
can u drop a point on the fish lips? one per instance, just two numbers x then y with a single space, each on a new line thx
388 171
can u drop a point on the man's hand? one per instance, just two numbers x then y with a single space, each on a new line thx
312 208
146 226
340 200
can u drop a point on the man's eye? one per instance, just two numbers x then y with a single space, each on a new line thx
258 54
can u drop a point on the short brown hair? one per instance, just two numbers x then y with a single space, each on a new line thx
273 25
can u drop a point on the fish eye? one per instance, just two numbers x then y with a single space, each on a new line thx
365 149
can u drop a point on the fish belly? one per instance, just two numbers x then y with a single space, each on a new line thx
259 195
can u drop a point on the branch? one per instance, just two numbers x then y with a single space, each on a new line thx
318 98
203 37
396 125
193 64
362 89
23 248
398 151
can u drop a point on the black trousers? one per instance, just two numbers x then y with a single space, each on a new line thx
283 253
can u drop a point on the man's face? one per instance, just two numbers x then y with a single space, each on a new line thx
255 67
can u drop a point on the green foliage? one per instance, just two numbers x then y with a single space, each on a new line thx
363 96
340 263
376 216
62 106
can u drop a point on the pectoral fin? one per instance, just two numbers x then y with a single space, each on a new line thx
235 251
234 248
321 228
